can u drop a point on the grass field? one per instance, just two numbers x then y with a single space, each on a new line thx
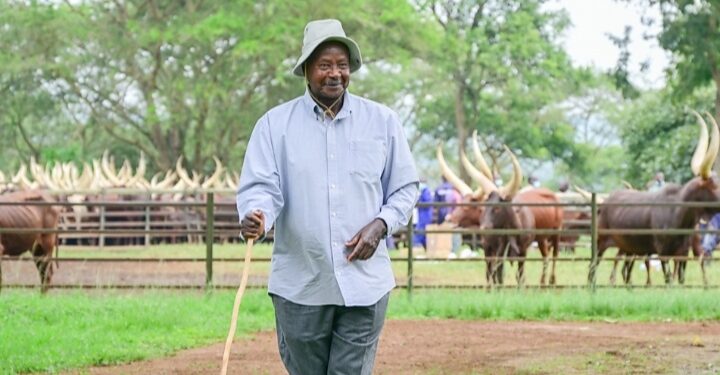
66 330
572 270
74 329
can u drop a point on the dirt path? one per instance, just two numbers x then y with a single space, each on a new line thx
471 347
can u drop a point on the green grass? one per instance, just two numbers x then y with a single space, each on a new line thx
66 330
567 305
71 330
438 272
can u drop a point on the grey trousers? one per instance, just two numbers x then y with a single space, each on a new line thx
328 339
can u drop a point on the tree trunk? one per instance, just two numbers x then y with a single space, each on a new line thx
460 126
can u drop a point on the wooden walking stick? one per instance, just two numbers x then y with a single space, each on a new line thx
236 306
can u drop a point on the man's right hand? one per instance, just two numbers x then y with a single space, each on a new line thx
253 225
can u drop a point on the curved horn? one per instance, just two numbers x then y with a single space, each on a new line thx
182 173
702 146
482 164
584 193
230 181
462 187
109 171
514 185
139 176
219 169
627 185
168 181
712 150
486 185
86 178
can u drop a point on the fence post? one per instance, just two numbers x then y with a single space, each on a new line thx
147 223
101 243
410 235
592 277
209 238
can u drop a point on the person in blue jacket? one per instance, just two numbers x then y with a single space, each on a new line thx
424 215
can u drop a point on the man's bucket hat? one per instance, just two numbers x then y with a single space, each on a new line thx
317 32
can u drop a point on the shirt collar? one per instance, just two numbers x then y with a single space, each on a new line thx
314 108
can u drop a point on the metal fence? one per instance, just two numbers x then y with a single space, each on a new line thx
144 221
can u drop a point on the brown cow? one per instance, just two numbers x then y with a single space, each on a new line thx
41 245
498 246
543 217
525 217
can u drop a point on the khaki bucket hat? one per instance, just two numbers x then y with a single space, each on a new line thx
317 32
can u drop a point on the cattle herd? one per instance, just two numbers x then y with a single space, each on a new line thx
62 196
66 205
619 214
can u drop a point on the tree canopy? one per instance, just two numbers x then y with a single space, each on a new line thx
190 78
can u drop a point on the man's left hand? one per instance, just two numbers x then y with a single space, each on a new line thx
366 241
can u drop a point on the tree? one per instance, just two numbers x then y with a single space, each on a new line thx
499 70
690 30
190 78
32 121
660 135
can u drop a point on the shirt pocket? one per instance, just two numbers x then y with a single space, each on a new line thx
367 159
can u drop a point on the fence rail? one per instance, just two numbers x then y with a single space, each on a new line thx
211 221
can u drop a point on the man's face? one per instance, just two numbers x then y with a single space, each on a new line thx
328 71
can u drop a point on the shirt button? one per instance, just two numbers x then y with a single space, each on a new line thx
332 156
332 186
333 214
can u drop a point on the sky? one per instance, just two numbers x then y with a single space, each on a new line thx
588 45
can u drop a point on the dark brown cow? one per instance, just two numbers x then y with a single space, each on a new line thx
499 246
525 217
520 217
702 188
41 245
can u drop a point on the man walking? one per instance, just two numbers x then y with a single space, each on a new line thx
334 173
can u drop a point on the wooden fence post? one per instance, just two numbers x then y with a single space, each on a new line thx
147 223
101 243
209 237
592 277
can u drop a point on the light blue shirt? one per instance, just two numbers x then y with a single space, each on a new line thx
320 180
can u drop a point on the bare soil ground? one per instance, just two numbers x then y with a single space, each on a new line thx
472 347
421 347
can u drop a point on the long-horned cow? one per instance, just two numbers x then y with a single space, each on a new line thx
614 214
466 216
41 245
528 217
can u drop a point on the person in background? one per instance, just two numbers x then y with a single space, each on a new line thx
563 187
334 173
444 193
532 183
657 182
710 240
424 215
